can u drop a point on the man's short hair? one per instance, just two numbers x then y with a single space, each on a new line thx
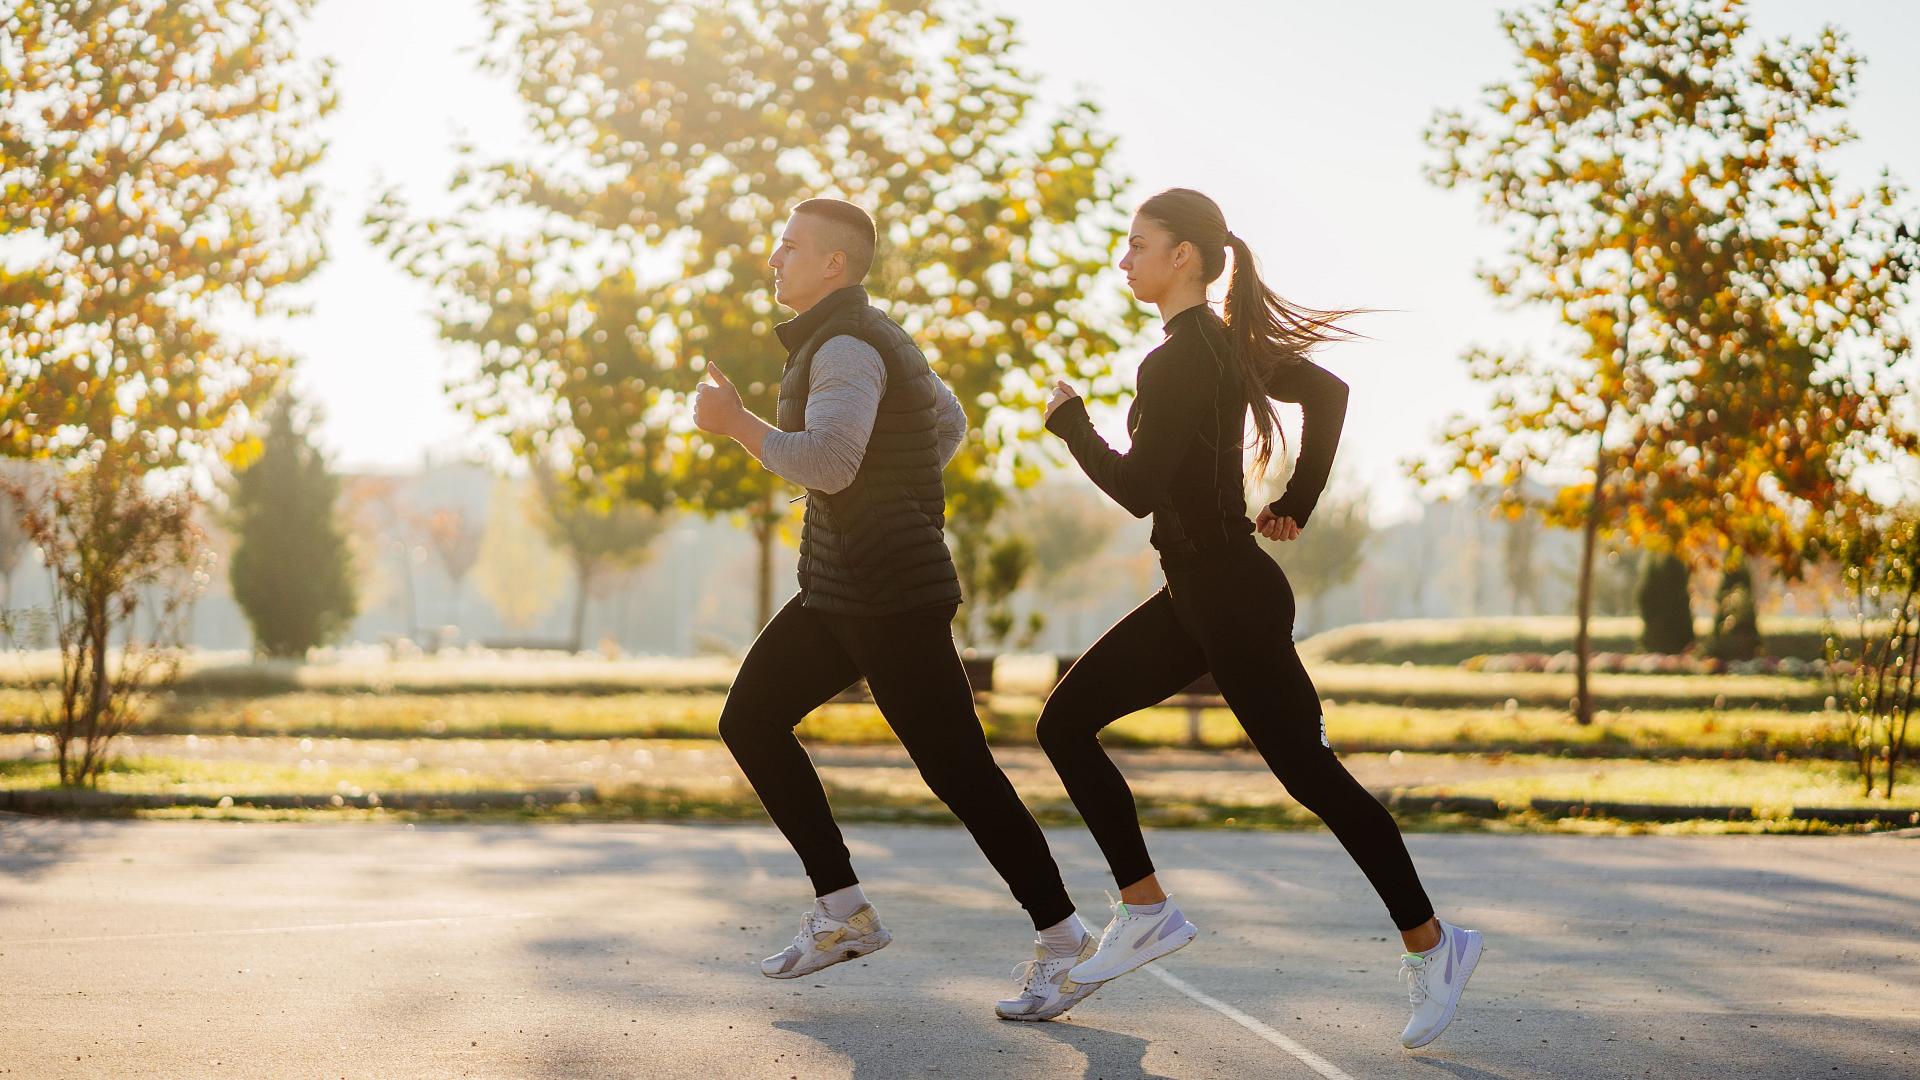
852 232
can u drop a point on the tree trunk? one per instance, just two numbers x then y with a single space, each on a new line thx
1582 637
581 573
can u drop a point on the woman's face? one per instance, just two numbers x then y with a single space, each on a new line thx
1155 264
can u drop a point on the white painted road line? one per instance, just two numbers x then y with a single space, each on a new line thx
1305 1056
374 924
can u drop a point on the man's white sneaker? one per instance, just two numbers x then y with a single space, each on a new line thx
1135 938
1046 988
824 941
1434 982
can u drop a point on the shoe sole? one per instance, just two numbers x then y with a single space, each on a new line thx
850 950
1086 991
1468 962
1166 946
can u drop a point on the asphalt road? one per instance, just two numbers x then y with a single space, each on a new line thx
251 950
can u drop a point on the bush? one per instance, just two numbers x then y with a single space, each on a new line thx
1666 608
1736 626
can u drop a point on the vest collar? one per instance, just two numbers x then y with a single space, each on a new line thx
795 331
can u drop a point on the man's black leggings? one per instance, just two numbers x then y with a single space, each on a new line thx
803 659
1231 614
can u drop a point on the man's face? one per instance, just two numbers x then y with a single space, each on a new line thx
806 265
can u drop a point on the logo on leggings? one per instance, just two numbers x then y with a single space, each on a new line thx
1323 732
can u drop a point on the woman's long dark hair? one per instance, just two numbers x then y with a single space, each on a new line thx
1265 330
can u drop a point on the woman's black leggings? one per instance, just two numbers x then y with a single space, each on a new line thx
802 660
1231 614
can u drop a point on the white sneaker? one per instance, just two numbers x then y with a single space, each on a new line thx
824 941
1434 983
1132 939
1046 988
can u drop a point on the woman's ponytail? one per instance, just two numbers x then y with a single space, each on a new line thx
1265 331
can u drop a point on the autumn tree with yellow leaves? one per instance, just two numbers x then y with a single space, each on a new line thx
1730 311
588 281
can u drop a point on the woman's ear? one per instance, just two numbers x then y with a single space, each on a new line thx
1182 253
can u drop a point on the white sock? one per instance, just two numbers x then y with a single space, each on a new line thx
1065 937
1149 909
840 904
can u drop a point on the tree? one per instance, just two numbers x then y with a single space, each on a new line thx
598 536
1330 549
518 571
1069 527
590 282
991 571
156 155
14 542
1729 310
1666 603
292 569
1736 624
455 540
156 162
1875 662
108 544
1519 559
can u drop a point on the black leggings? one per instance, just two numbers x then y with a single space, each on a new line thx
1231 614
803 659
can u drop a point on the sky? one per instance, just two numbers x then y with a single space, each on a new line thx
1302 119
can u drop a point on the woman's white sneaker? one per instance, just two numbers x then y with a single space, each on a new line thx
1133 938
824 941
1046 988
1434 982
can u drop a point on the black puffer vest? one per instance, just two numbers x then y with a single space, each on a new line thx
876 547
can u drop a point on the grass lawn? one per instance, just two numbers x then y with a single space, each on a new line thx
1354 726
1768 788
1449 641
187 776
214 677
1170 788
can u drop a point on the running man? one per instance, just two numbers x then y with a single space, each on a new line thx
867 428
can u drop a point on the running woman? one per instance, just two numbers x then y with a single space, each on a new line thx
866 427
1226 607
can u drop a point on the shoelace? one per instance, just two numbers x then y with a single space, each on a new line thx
1416 976
1025 972
1118 908
810 924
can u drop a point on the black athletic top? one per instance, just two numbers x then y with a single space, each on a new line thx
1188 422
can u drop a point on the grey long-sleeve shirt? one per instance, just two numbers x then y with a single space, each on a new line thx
843 399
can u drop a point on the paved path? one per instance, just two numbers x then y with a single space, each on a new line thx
250 950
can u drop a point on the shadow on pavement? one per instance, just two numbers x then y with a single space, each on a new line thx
1111 1055
1464 1072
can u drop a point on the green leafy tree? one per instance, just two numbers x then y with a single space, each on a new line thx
1736 622
598 536
991 572
1666 603
1329 551
1729 310
292 567
590 281
517 571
